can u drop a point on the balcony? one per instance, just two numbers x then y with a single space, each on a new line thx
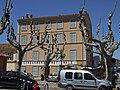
53 63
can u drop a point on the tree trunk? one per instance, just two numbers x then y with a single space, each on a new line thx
108 68
19 64
46 72
46 69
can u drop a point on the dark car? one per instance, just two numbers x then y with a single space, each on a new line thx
17 80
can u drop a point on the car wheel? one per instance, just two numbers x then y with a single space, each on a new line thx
69 87
102 88
24 86
21 87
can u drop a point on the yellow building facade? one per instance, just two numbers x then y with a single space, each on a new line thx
75 51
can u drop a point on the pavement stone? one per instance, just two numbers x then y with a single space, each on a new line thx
51 85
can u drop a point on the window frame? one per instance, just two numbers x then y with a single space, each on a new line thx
73 23
59 25
69 75
35 39
24 26
92 78
48 24
33 72
23 39
36 25
59 38
73 37
72 53
76 77
34 56
11 55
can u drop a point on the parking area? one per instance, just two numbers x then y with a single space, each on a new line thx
51 85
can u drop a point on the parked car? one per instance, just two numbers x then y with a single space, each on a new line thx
53 77
82 79
17 80
30 75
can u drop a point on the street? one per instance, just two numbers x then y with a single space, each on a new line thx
51 85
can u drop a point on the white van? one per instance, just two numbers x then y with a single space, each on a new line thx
82 79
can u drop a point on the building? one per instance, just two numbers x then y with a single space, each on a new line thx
3 61
76 54
9 54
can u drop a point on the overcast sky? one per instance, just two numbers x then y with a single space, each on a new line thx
38 8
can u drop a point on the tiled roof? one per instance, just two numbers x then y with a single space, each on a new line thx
46 17
6 46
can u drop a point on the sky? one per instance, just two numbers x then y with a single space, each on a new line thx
38 8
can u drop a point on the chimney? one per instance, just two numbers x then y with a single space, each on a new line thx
22 17
27 15
31 16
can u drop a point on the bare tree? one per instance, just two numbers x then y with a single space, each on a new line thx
5 19
51 51
11 38
105 46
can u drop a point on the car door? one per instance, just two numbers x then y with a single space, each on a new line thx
2 79
89 81
78 80
11 79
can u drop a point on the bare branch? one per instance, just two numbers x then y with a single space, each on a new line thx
98 29
12 38
5 19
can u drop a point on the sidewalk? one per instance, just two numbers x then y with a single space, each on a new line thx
51 85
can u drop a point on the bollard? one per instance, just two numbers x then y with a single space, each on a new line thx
46 86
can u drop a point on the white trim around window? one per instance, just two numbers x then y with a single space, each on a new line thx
59 24
73 23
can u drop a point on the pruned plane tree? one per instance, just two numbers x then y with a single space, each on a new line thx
104 45
52 50
11 38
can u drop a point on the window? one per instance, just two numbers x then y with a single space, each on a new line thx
73 37
23 69
24 26
36 26
23 42
10 56
48 24
59 24
35 39
47 40
35 71
35 56
72 23
68 75
88 76
78 75
59 38
72 54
